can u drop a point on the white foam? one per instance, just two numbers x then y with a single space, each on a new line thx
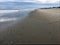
7 19
8 11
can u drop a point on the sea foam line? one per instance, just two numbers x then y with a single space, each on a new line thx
7 19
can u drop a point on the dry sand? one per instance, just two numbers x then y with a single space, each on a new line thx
42 26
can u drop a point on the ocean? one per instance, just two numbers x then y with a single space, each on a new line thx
11 17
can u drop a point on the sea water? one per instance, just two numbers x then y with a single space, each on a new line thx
10 17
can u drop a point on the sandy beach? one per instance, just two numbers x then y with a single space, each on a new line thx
41 26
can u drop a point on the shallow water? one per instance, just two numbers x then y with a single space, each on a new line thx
10 17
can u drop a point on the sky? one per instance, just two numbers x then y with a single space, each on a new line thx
36 1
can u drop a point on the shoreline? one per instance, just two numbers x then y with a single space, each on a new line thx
41 26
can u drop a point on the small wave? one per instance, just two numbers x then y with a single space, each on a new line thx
7 19
8 11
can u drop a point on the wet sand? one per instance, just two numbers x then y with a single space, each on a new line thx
41 26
